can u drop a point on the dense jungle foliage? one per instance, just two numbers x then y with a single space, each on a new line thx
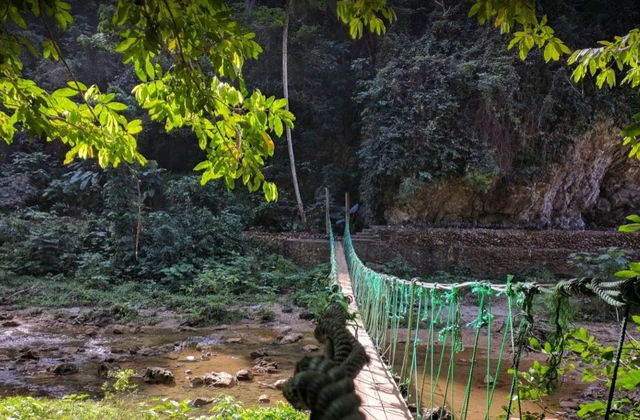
437 97
76 243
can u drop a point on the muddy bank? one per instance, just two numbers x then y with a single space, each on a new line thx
44 356
49 355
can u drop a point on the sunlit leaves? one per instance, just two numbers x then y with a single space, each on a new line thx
507 14
232 126
631 134
369 14
623 54
631 227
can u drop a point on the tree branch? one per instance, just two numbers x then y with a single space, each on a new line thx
73 76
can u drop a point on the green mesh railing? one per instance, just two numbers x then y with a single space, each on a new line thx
428 314
401 316
334 283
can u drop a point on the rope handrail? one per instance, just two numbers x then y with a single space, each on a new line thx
387 304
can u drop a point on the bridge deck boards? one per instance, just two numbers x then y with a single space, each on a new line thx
381 399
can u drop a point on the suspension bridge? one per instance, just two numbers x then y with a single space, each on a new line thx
451 351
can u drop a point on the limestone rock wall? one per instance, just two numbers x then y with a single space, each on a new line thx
596 185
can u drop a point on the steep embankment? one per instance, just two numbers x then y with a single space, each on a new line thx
456 128
595 184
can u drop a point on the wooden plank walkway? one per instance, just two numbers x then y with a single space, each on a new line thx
381 398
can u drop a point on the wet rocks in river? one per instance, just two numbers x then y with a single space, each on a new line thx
259 353
118 329
117 359
157 375
10 324
263 399
5 317
233 340
306 315
570 404
436 413
185 328
28 355
105 368
282 331
91 331
203 347
291 338
66 369
218 379
196 382
265 365
244 375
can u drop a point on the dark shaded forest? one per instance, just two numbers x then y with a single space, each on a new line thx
436 122
438 102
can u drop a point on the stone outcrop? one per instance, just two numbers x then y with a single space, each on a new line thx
595 185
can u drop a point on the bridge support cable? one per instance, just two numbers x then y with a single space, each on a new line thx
413 334
408 319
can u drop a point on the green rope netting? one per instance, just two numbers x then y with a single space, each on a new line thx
334 283
405 318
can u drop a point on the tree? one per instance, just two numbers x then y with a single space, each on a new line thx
622 53
166 41
285 87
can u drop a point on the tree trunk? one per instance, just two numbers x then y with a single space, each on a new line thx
285 87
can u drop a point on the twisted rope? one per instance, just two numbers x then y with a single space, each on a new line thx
324 385
386 303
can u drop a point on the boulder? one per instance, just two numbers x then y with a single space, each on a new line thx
291 338
279 384
306 315
570 404
282 330
436 413
118 329
195 382
259 353
218 379
28 355
201 402
263 399
203 347
265 364
157 375
66 369
105 368
244 375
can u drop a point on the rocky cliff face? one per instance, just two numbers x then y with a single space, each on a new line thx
595 186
